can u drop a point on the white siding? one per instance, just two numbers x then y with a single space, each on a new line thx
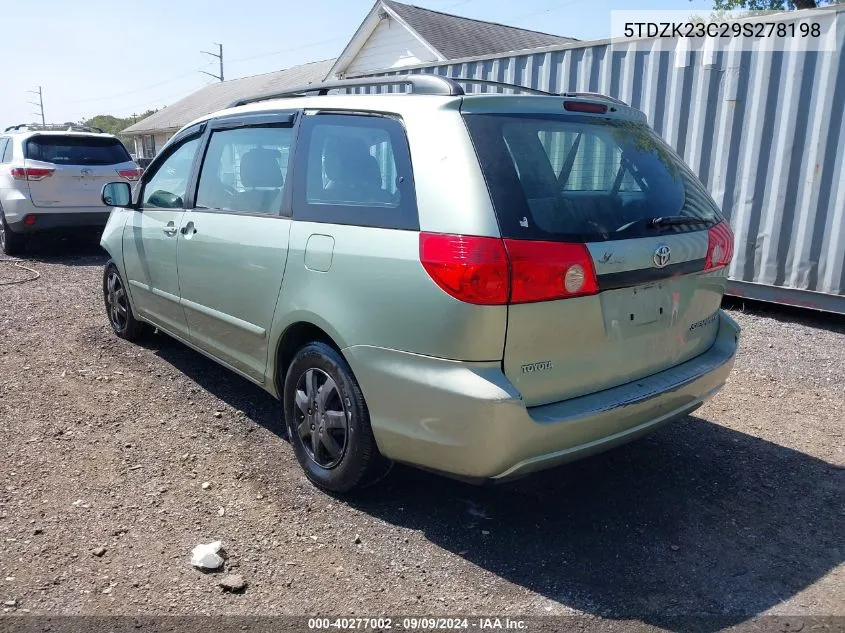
389 46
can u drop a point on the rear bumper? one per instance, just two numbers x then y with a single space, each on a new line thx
468 420
81 218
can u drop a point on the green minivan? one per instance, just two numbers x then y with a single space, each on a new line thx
482 283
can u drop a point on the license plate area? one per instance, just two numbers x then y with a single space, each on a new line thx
627 309
645 305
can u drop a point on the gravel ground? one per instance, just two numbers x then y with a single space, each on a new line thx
737 510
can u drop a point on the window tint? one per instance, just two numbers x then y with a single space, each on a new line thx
76 150
354 170
244 170
596 163
575 178
168 185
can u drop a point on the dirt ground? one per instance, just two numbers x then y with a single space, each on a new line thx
737 510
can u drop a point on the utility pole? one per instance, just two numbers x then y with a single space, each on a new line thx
218 55
40 103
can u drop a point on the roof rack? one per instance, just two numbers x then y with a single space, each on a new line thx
423 83
55 127
420 84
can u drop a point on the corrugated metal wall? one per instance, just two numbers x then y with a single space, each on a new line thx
764 131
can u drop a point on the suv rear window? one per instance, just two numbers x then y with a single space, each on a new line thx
583 179
76 150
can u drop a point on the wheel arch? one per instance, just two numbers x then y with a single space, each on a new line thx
295 335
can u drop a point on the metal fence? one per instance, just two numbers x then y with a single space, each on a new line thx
764 131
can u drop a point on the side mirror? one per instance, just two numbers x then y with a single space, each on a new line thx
116 194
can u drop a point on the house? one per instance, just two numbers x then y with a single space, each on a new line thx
393 35
150 134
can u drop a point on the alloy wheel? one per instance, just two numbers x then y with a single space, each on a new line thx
321 418
117 301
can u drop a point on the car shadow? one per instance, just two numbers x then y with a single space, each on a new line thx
696 520
68 248
258 405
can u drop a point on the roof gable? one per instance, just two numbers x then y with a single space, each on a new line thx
443 35
457 37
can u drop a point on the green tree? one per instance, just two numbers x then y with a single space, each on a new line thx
116 125
771 5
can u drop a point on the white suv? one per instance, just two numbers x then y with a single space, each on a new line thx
51 177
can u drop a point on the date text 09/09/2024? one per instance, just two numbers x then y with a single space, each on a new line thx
418 624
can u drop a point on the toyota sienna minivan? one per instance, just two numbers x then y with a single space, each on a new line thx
482 285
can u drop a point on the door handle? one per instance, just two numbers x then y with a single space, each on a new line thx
188 230
169 230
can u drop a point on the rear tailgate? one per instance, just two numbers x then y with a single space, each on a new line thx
598 184
72 169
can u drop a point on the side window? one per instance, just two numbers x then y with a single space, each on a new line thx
354 169
9 153
4 142
244 170
169 183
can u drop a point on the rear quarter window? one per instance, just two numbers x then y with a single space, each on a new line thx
354 169
76 150
583 179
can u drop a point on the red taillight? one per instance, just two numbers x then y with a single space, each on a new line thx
491 271
720 246
29 220
472 269
31 173
130 174
545 271
585 106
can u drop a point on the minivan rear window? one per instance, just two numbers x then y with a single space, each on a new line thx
76 150
584 179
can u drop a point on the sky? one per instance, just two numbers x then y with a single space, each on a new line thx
95 57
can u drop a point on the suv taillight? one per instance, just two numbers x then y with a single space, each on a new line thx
720 246
492 271
130 174
31 173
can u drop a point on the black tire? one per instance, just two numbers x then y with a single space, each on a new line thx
118 308
344 459
11 243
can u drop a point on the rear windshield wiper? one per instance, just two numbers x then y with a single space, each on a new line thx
676 220
663 221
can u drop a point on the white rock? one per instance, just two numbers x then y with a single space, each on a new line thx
205 555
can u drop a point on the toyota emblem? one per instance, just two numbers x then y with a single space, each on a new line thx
661 256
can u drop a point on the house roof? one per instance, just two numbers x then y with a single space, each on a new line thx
456 37
219 95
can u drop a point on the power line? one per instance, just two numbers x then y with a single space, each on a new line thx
285 50
40 103
136 90
547 10
218 56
